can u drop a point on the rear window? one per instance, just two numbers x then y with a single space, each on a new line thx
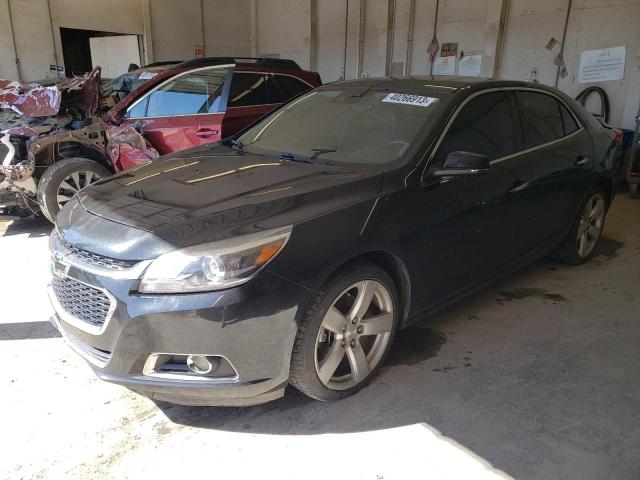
291 86
253 89
568 120
541 118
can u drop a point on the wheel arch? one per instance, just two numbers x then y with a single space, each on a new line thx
606 183
74 149
392 265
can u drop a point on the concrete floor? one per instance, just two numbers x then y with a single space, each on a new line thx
535 377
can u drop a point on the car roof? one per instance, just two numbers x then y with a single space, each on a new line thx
431 83
279 63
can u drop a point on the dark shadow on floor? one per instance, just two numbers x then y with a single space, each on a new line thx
35 226
27 331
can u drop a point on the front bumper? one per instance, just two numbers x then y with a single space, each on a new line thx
252 326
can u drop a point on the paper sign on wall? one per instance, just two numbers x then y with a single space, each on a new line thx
602 65
470 66
444 66
449 50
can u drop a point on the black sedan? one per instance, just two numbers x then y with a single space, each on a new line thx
292 252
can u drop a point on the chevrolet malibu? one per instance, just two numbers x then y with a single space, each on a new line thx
292 252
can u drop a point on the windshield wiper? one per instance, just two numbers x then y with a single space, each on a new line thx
237 143
291 157
321 151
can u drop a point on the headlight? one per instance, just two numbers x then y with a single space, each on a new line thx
215 265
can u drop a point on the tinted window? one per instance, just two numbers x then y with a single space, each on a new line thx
541 118
568 120
485 125
290 86
342 124
253 89
189 94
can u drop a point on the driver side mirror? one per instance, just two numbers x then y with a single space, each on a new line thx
463 163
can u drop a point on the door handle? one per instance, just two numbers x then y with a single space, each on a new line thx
206 132
519 187
581 161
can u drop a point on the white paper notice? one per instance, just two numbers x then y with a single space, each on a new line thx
444 66
470 66
602 65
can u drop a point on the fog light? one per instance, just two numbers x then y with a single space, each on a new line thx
199 364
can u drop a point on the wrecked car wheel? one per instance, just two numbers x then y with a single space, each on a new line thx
62 180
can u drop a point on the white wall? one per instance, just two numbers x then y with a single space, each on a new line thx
7 54
284 29
593 24
175 27
228 28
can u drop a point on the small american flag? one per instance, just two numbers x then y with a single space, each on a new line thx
432 49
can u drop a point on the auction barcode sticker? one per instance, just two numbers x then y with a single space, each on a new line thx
407 99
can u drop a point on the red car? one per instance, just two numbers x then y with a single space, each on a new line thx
181 106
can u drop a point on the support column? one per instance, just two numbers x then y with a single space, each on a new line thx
494 35
409 49
147 37
313 40
361 30
391 20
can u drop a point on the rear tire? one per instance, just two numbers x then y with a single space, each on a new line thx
580 244
64 179
346 333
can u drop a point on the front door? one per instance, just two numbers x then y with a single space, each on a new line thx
187 111
471 226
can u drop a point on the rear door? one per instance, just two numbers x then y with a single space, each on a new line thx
183 112
560 154
254 94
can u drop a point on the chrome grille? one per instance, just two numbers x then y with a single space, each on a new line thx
93 259
81 301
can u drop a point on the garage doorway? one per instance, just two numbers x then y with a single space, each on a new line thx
84 49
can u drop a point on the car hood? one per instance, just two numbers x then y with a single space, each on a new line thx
216 192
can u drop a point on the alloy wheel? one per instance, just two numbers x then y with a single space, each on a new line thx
73 183
590 226
354 335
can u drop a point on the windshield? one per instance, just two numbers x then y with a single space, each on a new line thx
350 125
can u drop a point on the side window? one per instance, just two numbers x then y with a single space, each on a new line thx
541 118
190 94
568 120
250 89
485 125
290 86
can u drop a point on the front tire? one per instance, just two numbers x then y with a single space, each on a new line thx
345 334
62 180
580 244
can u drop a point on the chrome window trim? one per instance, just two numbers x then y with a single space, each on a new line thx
171 79
435 148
